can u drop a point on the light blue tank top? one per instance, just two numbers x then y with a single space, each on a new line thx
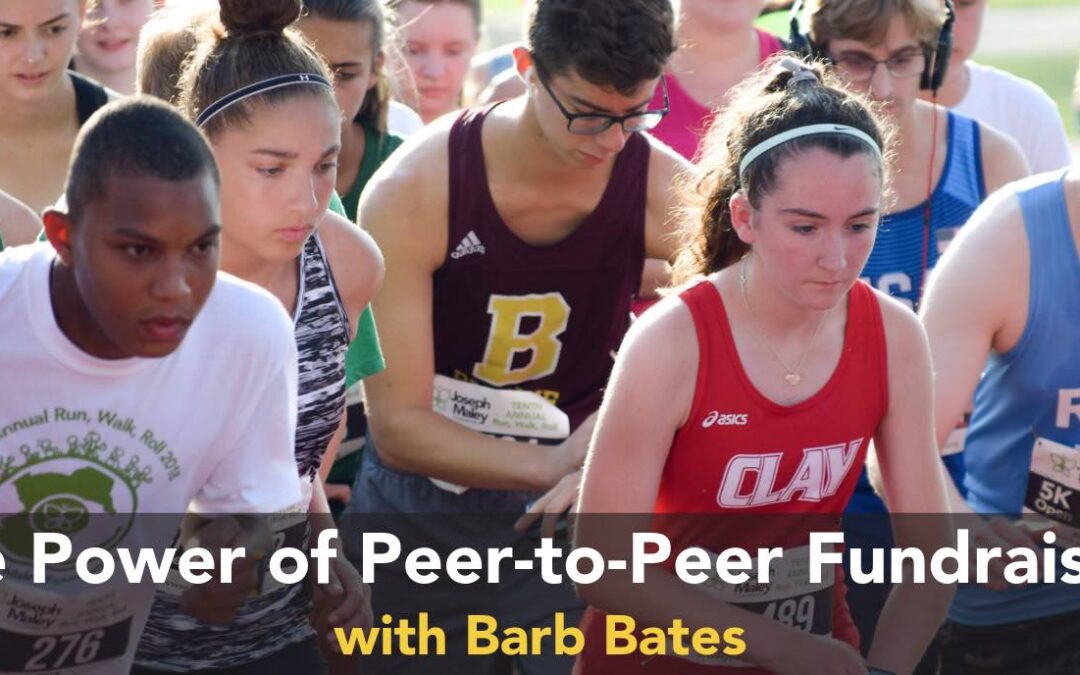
896 263
1031 391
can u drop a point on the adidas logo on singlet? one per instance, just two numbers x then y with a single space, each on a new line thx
469 245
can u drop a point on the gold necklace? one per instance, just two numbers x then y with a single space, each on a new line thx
792 375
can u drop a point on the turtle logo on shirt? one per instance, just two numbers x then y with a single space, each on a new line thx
81 497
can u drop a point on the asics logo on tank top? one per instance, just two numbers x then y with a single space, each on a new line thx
468 246
751 480
719 419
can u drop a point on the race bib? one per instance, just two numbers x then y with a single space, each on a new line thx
789 598
504 413
58 633
1053 489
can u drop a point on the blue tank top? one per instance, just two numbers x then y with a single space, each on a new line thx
1031 391
896 263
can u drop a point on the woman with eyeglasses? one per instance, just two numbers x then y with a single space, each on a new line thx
944 166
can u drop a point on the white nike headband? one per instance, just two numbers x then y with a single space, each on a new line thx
798 132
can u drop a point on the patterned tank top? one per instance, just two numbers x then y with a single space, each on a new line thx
278 616
747 472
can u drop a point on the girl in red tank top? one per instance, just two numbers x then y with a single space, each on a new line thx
740 411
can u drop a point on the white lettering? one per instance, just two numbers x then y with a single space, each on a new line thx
42 557
391 551
1068 407
819 556
750 480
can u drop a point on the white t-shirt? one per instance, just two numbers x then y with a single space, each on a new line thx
401 120
208 428
1020 109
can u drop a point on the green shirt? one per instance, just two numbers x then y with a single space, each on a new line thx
377 148
364 357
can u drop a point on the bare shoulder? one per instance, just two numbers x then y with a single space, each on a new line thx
18 222
356 262
665 164
663 343
902 326
1002 159
415 176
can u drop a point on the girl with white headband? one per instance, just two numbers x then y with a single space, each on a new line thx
755 390
263 97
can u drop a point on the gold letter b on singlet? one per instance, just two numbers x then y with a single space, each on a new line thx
506 339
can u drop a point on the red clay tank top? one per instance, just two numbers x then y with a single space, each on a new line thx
512 316
776 472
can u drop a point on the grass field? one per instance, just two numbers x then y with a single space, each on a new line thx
1053 72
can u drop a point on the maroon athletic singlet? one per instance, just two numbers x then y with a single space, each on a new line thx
776 472
509 315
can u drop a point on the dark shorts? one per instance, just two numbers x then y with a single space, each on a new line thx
421 514
1048 646
301 658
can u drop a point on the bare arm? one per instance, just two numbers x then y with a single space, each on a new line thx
356 264
405 210
666 168
1002 159
914 482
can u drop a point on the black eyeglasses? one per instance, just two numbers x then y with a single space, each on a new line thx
590 124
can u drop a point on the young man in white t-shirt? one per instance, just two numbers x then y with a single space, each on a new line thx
137 380
1012 105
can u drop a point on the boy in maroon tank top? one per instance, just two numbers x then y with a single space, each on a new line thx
514 238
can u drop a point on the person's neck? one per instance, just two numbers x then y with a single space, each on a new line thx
242 262
775 313
38 117
702 50
73 317
954 89
120 81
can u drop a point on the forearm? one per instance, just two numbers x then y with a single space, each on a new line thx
421 441
910 619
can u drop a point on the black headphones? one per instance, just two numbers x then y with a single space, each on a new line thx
937 58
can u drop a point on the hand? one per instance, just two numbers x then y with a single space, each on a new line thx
552 505
336 492
344 603
813 654
215 602
570 454
996 531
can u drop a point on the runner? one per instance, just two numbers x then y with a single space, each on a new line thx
350 35
1021 445
105 50
1010 104
945 165
249 82
718 47
514 238
717 391
44 104
105 347
438 38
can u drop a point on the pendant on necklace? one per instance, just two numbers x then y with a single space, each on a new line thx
792 378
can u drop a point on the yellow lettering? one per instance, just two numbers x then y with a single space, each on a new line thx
482 640
505 339
357 639
705 641
735 644
654 642
620 634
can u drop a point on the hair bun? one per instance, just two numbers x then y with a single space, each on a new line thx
246 16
